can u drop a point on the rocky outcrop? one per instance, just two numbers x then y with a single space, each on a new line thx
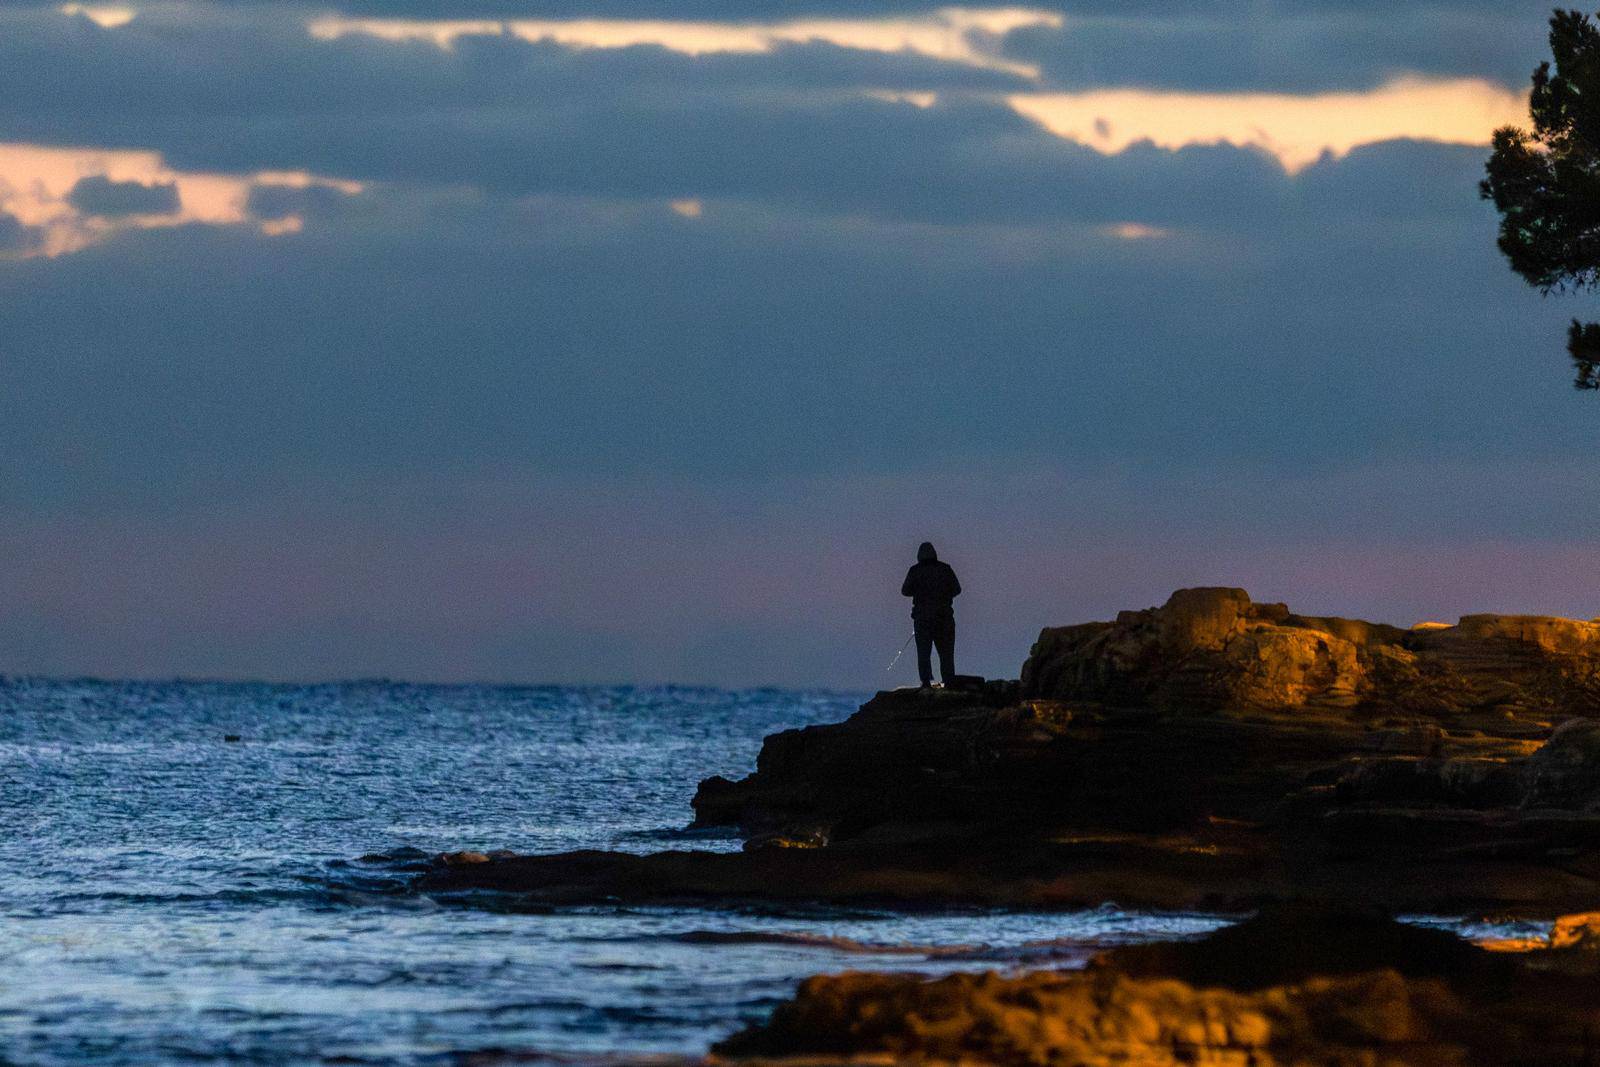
1210 649
1204 649
1212 752
1292 986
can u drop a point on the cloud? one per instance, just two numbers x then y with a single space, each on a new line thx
105 16
1227 46
17 238
99 195
733 10
1136 231
75 197
1286 49
607 338
1231 45
951 34
975 162
203 87
281 199
1297 130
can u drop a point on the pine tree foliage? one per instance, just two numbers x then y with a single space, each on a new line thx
1545 182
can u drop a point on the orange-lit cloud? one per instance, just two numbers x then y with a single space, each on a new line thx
106 16
919 99
279 227
1135 231
1297 130
36 182
956 35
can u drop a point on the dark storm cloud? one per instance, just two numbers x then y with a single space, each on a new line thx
99 195
1239 12
737 10
1395 181
211 87
1237 44
1313 49
970 162
522 118
186 64
208 88
497 112
603 337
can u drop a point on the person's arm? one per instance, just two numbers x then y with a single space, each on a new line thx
955 583
905 586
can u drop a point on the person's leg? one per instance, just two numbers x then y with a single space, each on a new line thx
925 653
946 640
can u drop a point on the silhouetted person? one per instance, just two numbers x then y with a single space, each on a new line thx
932 586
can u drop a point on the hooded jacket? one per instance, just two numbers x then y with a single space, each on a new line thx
931 585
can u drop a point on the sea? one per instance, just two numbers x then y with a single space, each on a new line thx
195 872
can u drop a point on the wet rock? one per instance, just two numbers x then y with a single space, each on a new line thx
795 837
1297 940
467 859
1303 985
718 802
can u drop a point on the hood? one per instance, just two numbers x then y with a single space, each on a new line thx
925 552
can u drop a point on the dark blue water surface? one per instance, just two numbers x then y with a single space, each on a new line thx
167 895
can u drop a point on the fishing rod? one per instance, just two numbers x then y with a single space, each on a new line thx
902 652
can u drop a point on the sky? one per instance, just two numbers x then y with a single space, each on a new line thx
643 340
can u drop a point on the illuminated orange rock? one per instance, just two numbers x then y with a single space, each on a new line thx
1203 649
1581 931
1208 649
1294 986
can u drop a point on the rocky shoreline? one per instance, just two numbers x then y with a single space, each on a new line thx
1305 983
1211 753
1295 985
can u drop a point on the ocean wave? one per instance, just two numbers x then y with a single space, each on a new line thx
802 939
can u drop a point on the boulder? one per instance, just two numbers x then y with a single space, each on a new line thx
1565 771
